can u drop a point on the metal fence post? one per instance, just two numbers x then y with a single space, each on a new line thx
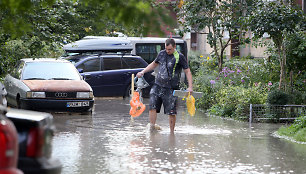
250 118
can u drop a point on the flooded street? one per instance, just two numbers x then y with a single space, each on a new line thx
110 142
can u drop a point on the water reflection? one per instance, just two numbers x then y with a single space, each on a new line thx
67 149
108 142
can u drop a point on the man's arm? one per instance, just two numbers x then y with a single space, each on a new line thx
149 68
189 78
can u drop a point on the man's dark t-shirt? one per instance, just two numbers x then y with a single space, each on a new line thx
165 74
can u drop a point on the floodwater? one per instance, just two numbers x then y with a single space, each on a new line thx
108 141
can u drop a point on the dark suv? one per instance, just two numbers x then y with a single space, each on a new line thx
30 146
110 74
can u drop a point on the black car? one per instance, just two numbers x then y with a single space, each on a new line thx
35 132
30 146
109 74
8 145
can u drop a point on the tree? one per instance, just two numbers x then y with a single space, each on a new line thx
128 13
36 28
278 19
217 17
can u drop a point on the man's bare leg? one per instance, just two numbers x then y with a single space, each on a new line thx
172 120
152 117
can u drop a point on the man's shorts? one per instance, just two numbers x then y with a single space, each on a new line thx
159 96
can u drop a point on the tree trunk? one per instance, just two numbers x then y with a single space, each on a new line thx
291 81
282 57
220 59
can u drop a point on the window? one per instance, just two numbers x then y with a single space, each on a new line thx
180 48
18 70
149 51
90 65
112 63
134 62
50 70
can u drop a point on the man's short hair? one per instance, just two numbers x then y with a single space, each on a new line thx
170 41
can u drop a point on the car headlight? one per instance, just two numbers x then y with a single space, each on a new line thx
84 95
31 94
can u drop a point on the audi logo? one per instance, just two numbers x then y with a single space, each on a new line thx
61 94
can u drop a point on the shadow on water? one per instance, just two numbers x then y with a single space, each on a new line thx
109 142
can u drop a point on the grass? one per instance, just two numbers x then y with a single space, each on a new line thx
297 130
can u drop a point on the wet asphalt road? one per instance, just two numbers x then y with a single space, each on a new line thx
108 141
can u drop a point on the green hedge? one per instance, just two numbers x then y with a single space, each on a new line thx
297 130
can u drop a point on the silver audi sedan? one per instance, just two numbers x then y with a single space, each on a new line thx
48 84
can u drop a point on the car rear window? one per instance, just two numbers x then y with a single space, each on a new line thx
50 70
112 63
134 62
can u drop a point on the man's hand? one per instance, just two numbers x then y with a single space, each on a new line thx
189 89
139 74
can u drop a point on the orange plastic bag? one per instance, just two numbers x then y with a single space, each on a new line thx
137 107
190 102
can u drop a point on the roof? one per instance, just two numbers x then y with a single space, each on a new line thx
43 60
134 39
27 114
105 43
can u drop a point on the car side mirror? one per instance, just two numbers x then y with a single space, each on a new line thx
80 70
87 76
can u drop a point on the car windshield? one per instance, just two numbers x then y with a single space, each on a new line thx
50 71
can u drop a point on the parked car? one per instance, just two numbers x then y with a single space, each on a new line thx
48 84
35 132
110 74
3 94
8 145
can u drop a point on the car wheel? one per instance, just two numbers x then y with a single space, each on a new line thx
18 102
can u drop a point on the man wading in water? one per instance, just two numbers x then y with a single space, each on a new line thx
171 63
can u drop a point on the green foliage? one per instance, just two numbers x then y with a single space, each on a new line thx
196 60
201 83
39 28
217 17
297 130
298 97
14 50
275 18
68 18
277 97
278 19
296 51
234 101
241 82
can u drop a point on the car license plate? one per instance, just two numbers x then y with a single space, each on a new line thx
77 104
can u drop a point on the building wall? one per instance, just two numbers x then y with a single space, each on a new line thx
204 48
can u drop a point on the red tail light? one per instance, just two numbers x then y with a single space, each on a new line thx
35 143
8 144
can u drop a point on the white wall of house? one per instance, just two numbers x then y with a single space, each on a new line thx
204 48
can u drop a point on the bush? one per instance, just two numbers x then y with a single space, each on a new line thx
234 101
201 83
277 97
297 130
298 97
